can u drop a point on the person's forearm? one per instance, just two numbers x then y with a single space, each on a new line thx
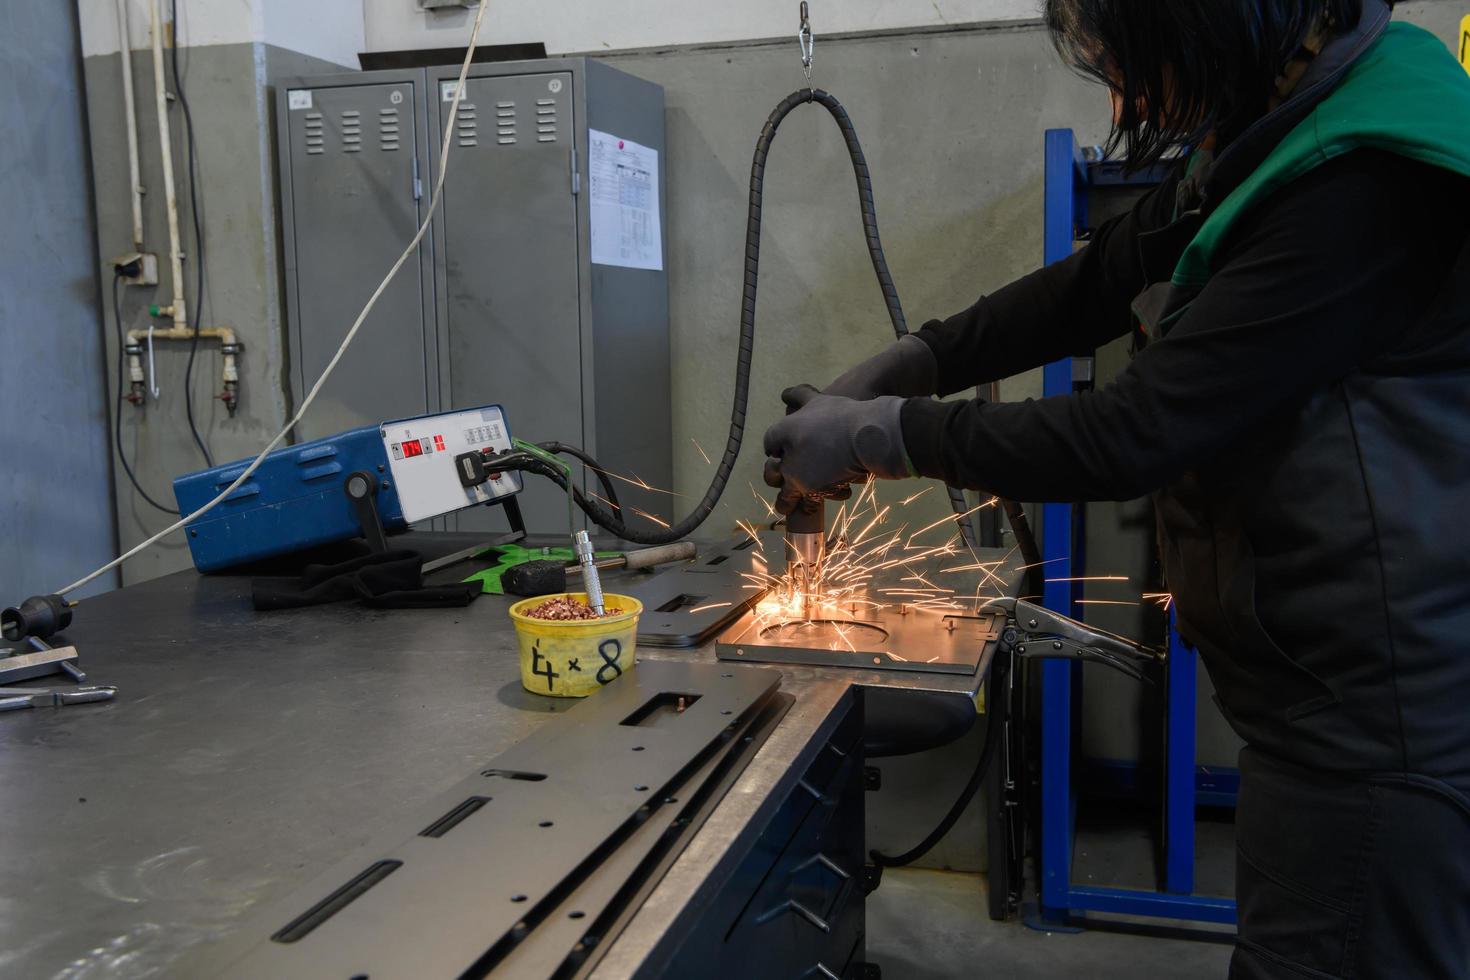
1022 326
1071 307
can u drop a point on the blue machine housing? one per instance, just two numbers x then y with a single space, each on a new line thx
295 500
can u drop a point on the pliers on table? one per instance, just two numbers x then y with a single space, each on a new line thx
1035 632
15 698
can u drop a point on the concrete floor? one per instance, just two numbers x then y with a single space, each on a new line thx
928 925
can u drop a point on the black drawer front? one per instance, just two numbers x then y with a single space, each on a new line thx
794 907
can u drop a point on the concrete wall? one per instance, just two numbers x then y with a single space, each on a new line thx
228 86
573 26
331 30
55 485
952 125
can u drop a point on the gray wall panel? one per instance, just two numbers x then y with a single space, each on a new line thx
56 518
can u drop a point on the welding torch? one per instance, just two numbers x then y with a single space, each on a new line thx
806 546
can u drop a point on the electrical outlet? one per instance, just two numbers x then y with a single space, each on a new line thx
137 268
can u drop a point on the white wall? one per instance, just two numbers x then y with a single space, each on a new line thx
566 26
328 29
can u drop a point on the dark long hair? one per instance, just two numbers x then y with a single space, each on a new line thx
1186 68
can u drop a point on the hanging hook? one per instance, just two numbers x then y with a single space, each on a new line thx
807 42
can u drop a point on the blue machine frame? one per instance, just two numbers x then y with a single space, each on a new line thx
1069 180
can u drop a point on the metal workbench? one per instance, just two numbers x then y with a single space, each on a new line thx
246 753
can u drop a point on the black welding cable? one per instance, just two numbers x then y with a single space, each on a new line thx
993 723
122 380
198 307
648 536
609 491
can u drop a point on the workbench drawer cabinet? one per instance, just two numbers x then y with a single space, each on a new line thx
794 905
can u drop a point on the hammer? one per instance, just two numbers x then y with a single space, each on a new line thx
537 578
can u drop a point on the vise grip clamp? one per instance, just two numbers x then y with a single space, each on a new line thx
1037 633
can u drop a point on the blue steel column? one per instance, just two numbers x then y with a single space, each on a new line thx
1066 182
1179 747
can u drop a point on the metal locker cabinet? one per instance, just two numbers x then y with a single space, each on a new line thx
574 351
510 316
354 186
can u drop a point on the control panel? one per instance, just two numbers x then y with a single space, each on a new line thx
421 457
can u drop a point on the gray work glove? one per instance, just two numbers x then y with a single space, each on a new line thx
906 368
829 441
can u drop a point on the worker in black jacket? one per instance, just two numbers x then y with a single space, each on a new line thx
1300 414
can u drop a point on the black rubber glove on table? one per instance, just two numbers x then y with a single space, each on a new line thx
829 441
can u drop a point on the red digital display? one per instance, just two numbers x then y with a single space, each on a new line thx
411 448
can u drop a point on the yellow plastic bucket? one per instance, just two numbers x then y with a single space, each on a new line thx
575 658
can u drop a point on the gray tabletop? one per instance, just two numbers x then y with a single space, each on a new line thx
246 753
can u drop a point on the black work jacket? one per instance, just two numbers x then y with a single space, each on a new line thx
1304 430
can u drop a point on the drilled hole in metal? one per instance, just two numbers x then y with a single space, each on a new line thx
544 823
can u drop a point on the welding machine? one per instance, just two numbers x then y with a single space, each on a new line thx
366 482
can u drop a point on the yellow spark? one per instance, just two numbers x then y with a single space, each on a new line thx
596 496
644 513
1090 578
908 500
712 605
1049 561
749 529
636 481
702 452
980 566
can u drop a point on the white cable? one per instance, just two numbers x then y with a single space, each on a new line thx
152 377
347 340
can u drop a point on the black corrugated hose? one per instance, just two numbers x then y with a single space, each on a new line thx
613 522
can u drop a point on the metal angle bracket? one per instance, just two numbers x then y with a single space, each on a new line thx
478 872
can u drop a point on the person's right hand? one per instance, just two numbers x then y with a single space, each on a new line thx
906 368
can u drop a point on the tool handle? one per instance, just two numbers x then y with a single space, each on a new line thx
85 695
662 555
14 704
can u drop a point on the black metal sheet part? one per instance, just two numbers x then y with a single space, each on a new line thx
630 875
687 605
476 871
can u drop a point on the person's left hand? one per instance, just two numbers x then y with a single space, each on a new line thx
829 441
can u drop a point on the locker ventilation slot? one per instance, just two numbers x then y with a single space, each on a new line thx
351 131
505 123
546 131
315 139
388 129
467 125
